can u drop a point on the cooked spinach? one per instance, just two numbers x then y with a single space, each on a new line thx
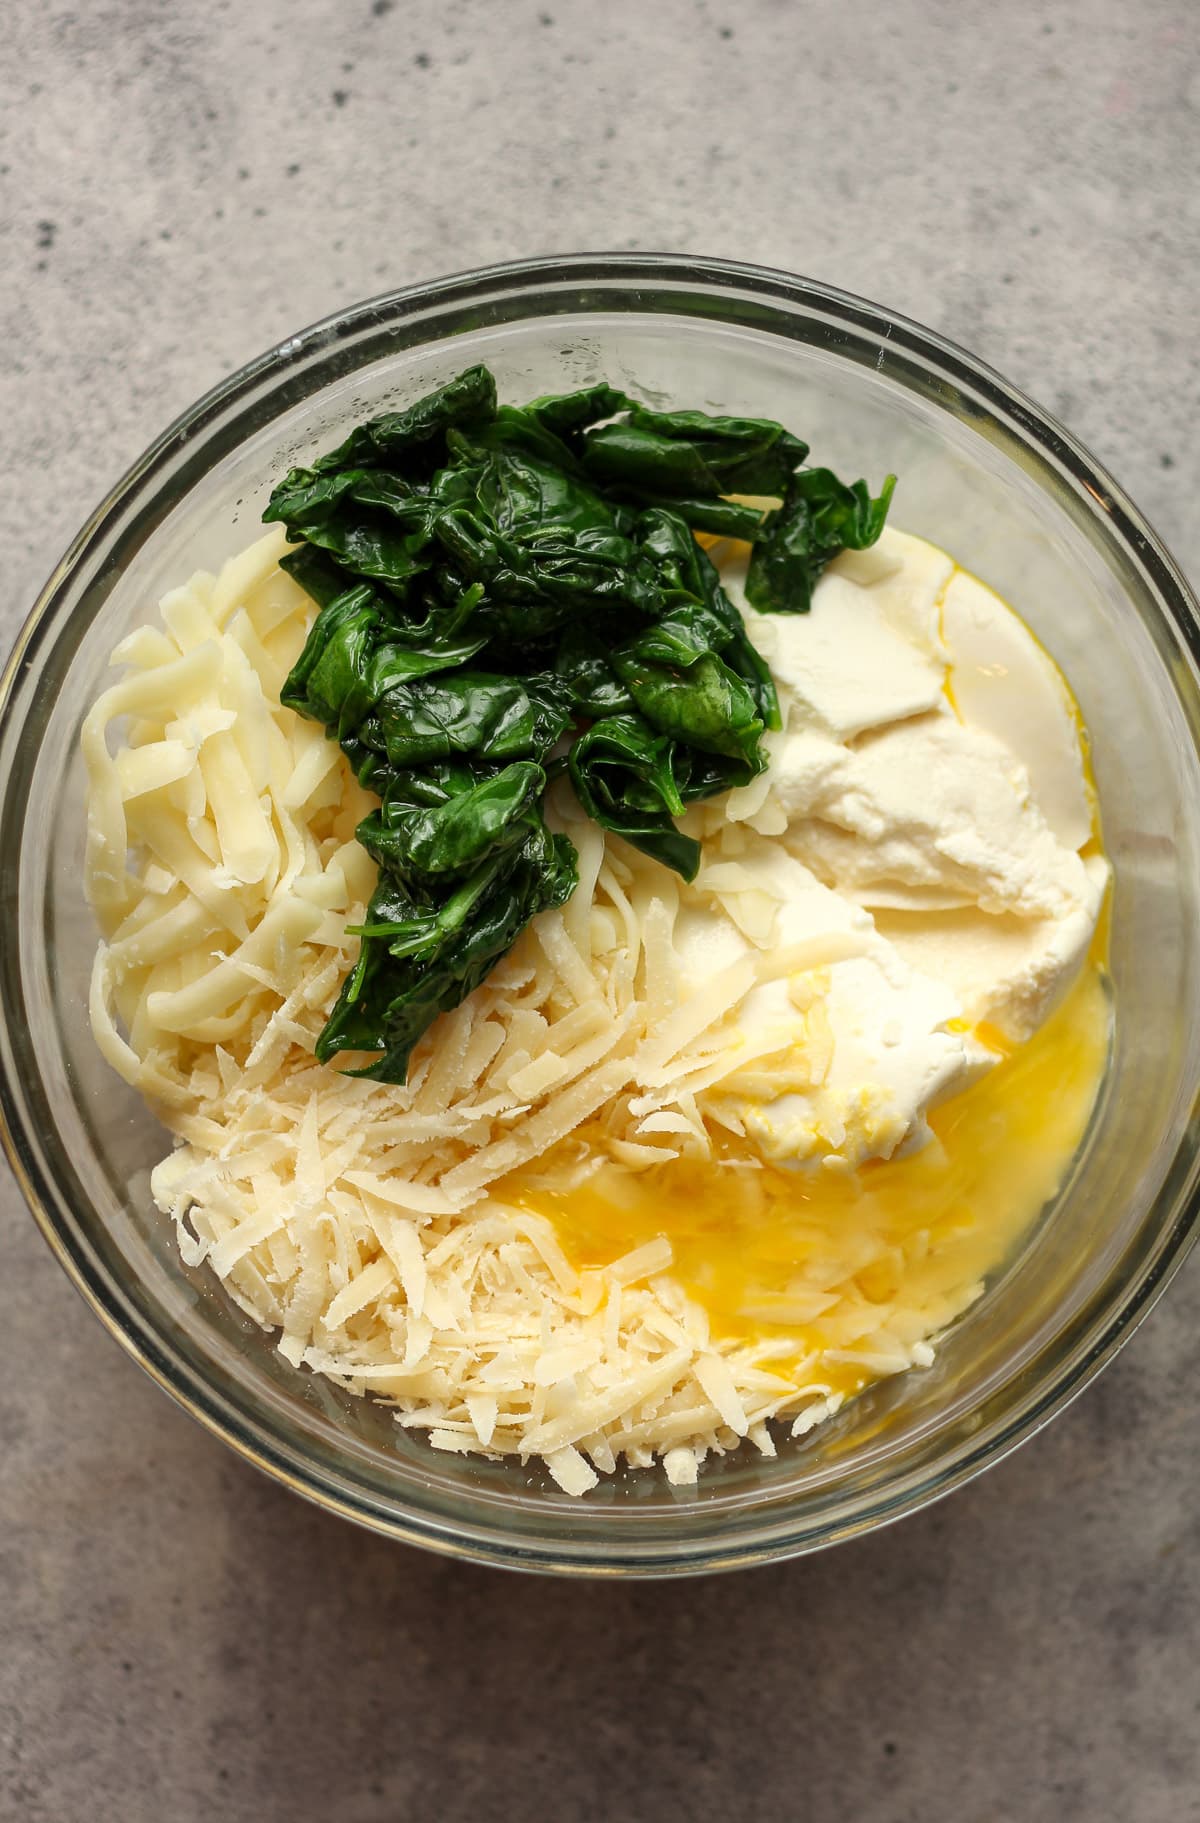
679 454
506 593
624 776
819 517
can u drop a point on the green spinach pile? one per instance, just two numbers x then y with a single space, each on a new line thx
506 593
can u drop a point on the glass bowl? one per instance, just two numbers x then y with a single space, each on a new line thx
983 473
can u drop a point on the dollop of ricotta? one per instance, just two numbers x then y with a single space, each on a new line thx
928 791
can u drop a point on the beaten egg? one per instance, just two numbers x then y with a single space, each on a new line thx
823 1257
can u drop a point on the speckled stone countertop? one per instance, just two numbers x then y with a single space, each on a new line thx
183 184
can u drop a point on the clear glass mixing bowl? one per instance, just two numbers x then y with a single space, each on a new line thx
983 473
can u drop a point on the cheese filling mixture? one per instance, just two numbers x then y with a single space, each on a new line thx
693 1157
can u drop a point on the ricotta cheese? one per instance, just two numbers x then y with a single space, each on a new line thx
929 789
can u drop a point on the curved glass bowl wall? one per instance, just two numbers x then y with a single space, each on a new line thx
984 474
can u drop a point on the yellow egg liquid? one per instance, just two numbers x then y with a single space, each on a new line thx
839 1263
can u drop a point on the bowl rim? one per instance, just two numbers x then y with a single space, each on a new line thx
481 1542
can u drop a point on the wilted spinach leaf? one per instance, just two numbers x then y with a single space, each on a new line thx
422 955
820 516
455 834
686 453
584 664
415 439
624 776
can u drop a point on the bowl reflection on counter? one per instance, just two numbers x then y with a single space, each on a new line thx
985 475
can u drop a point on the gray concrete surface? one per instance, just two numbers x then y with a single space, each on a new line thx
185 183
